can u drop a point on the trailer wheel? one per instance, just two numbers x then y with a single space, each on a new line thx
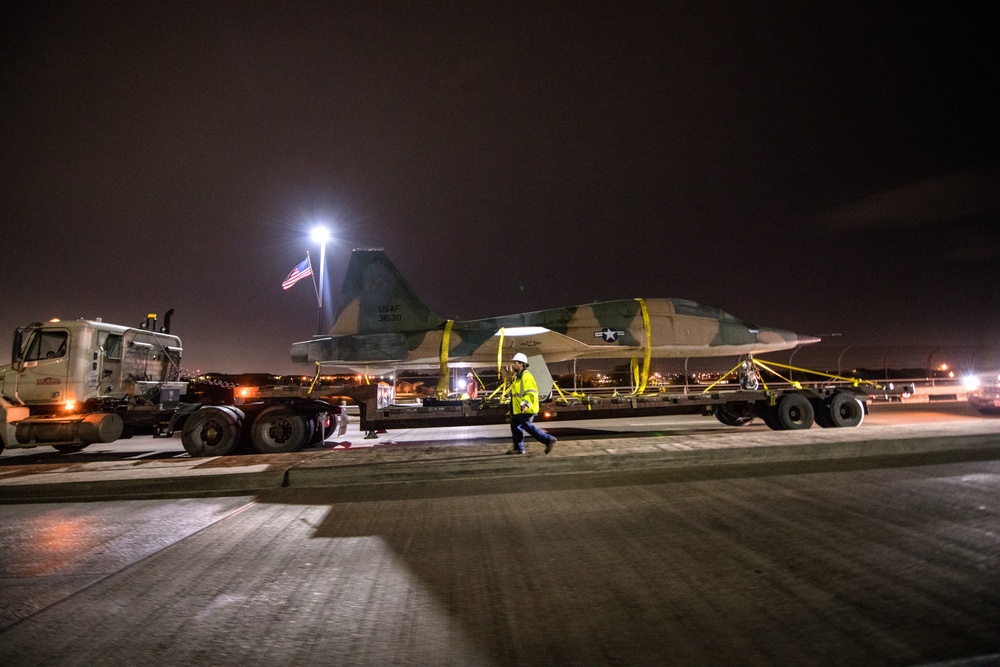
280 429
768 413
844 410
821 409
734 414
212 431
793 412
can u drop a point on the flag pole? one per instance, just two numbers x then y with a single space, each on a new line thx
315 285
319 295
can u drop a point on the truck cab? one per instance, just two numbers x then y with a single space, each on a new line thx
71 382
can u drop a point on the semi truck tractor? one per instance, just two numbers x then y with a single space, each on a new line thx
71 384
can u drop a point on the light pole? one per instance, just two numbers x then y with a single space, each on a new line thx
321 235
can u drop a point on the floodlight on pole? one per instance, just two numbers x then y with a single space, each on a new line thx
320 235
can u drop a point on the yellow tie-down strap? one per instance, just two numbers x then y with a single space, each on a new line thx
564 397
442 388
312 385
642 379
502 389
798 385
761 364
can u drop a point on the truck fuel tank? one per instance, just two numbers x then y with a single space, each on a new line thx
78 429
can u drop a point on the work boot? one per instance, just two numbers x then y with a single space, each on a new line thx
514 450
549 445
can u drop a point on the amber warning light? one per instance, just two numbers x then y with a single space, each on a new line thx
242 394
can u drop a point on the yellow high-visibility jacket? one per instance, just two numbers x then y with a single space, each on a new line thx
524 389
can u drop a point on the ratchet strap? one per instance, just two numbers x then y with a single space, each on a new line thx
641 380
442 387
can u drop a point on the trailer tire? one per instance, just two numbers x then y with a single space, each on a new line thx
212 431
793 412
821 408
845 410
735 414
767 412
280 429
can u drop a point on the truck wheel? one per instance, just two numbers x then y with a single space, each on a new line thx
323 427
312 434
212 431
734 415
280 429
793 412
844 410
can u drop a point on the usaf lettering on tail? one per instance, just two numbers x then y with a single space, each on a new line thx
381 324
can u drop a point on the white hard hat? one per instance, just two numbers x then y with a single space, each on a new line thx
520 357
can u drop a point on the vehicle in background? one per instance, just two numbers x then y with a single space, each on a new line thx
983 393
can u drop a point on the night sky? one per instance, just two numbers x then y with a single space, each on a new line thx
821 167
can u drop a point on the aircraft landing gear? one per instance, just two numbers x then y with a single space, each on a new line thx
749 379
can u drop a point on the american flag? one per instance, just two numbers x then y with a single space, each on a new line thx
302 270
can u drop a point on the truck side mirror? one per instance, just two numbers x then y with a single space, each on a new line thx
15 351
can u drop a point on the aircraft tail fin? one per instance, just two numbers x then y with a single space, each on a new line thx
376 298
543 378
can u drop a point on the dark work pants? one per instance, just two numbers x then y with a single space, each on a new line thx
521 423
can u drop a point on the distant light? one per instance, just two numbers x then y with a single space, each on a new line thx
55 319
320 234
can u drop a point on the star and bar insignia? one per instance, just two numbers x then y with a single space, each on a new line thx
609 335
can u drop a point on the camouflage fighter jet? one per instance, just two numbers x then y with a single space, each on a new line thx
382 325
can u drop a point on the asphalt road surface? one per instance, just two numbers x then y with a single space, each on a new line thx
803 564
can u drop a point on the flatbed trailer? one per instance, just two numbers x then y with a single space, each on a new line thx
781 408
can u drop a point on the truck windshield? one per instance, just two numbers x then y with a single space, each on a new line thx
47 345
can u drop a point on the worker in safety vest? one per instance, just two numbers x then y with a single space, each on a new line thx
524 407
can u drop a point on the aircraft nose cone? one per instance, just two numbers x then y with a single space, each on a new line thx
783 339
